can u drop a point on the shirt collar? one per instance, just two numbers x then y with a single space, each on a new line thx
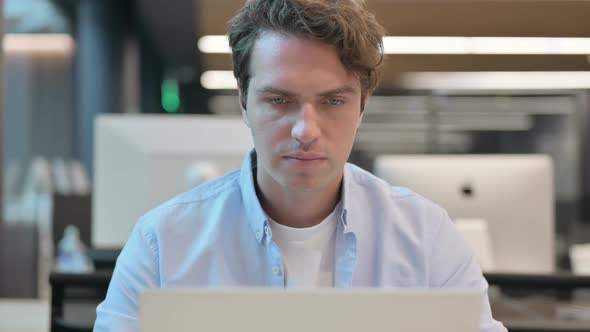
254 212
258 219
348 201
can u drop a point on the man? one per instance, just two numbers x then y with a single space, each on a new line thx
296 214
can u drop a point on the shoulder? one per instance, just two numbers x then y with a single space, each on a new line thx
193 205
225 184
414 226
381 192
399 209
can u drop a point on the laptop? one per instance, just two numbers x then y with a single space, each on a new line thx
266 310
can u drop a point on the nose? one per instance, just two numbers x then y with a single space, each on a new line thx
306 128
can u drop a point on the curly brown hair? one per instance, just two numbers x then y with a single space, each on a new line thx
345 24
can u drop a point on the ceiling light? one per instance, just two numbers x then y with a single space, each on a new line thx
38 43
496 80
451 45
219 80
214 44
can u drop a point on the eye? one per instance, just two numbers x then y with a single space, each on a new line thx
278 100
335 101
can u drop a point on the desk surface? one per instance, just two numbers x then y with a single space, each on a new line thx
18 315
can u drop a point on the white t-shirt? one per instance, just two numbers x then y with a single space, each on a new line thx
308 253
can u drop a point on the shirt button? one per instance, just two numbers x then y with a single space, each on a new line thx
267 230
258 236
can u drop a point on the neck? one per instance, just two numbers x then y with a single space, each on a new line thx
298 209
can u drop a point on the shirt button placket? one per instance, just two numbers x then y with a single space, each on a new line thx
276 267
279 280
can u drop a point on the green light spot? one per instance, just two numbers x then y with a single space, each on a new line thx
170 96
171 103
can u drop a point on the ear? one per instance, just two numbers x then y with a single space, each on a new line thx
243 108
364 104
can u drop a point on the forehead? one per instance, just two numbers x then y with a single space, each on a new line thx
282 59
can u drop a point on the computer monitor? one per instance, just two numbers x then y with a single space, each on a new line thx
514 194
311 310
141 161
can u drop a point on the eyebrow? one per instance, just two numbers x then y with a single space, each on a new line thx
337 91
270 89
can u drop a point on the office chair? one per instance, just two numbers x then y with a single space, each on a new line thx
71 286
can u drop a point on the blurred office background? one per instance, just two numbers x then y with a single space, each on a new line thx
459 77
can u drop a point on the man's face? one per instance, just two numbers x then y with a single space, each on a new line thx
303 109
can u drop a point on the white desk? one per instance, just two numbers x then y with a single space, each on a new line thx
18 315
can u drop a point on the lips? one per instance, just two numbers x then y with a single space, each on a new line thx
305 160
306 156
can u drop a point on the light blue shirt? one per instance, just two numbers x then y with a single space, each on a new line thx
217 235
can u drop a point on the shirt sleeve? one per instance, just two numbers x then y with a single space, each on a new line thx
135 270
454 265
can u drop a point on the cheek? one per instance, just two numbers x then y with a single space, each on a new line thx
269 134
343 129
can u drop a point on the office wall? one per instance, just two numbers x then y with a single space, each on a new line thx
39 110
2 121
585 155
